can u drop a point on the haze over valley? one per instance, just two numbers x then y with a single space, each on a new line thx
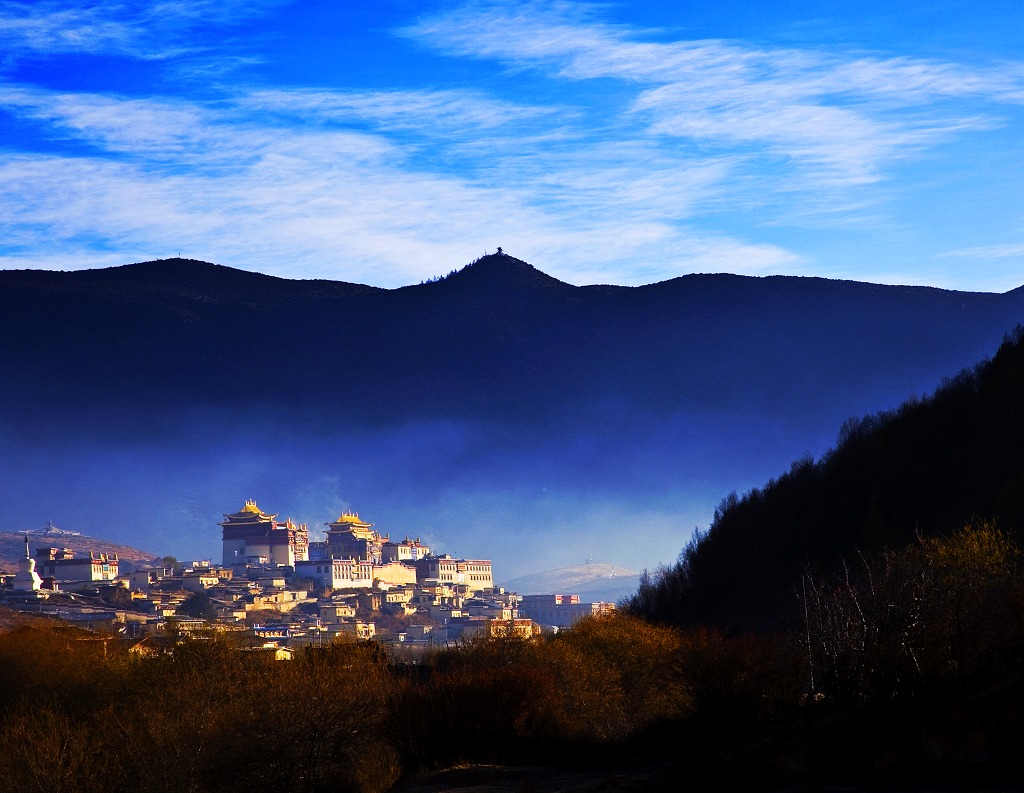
497 412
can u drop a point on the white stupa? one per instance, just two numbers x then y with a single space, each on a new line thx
27 583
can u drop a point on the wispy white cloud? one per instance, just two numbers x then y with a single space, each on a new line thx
139 29
1008 251
833 119
569 39
423 110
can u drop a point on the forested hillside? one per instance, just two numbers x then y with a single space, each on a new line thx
924 470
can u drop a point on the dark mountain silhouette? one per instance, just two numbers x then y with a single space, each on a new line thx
928 468
498 339
587 409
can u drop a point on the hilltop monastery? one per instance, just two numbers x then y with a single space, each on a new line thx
286 590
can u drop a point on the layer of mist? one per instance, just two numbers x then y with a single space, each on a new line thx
496 414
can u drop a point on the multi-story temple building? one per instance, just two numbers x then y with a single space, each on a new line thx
251 535
351 538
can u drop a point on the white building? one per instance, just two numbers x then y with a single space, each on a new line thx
473 574
560 611
62 565
337 573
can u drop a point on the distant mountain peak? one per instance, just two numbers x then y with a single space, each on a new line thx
499 262
49 530
504 272
592 581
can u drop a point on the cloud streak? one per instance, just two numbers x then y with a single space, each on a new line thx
1010 251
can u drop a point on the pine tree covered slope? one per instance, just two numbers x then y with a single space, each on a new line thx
927 468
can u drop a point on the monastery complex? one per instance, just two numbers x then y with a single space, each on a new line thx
354 555
285 590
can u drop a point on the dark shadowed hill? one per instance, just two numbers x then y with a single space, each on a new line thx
496 400
497 340
929 468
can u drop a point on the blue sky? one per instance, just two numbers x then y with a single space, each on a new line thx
630 142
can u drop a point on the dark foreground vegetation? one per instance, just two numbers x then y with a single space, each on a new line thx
906 671
81 713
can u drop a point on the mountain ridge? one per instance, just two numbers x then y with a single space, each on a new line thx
504 264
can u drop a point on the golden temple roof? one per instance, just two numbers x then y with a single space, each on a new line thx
352 518
249 512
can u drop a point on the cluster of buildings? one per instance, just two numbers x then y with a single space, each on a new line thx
287 591
38 577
